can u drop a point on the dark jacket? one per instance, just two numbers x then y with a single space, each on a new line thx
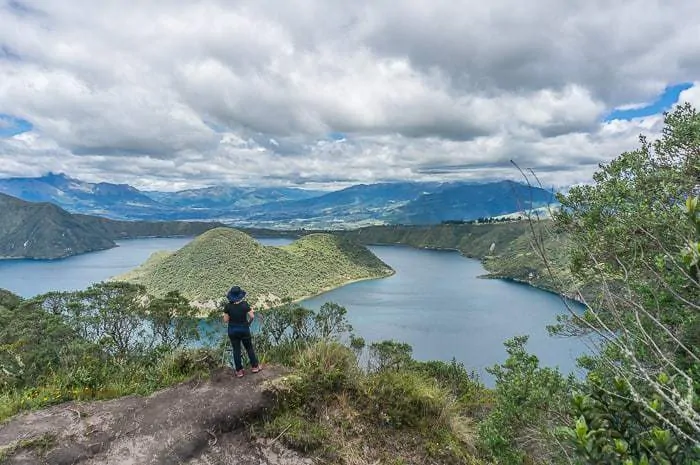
238 317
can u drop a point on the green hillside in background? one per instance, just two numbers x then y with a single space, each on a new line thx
518 248
41 230
205 269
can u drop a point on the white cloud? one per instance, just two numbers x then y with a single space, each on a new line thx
172 93
691 95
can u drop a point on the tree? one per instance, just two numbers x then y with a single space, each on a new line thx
115 313
31 345
530 402
634 236
389 355
9 300
330 321
173 321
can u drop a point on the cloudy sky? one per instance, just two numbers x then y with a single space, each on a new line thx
176 93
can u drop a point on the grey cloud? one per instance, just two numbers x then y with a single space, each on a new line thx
618 50
190 93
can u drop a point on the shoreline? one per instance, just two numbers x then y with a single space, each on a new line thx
299 299
58 257
530 284
488 274
332 288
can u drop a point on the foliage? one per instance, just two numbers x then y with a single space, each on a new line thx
635 234
332 408
204 269
330 322
529 402
173 322
612 428
631 219
9 300
109 340
112 314
471 396
32 345
389 355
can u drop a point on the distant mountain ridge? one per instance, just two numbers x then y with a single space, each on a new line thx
285 207
122 201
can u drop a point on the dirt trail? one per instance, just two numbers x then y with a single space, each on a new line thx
198 422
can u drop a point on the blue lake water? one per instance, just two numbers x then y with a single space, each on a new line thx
435 302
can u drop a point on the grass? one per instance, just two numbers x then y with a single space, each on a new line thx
205 269
109 381
333 410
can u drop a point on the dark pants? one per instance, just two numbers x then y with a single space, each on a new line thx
236 339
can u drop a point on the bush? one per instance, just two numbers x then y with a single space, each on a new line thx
389 355
473 398
406 399
530 403
9 300
330 366
299 433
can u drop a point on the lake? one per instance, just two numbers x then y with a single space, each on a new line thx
435 302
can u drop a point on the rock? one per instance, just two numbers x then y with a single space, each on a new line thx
197 422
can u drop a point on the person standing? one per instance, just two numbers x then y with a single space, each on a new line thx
239 316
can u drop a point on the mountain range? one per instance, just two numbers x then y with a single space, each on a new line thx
286 207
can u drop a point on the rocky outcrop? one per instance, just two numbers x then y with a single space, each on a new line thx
197 422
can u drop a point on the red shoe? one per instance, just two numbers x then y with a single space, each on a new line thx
240 373
256 369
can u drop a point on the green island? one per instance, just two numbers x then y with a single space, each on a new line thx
77 367
203 269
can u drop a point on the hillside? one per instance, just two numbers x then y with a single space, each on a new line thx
46 231
204 269
43 230
76 196
396 203
229 197
471 201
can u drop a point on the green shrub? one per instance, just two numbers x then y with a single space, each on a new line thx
470 394
530 402
613 428
406 399
328 367
389 355
299 433
9 300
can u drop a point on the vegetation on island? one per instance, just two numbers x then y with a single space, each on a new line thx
204 270
634 236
